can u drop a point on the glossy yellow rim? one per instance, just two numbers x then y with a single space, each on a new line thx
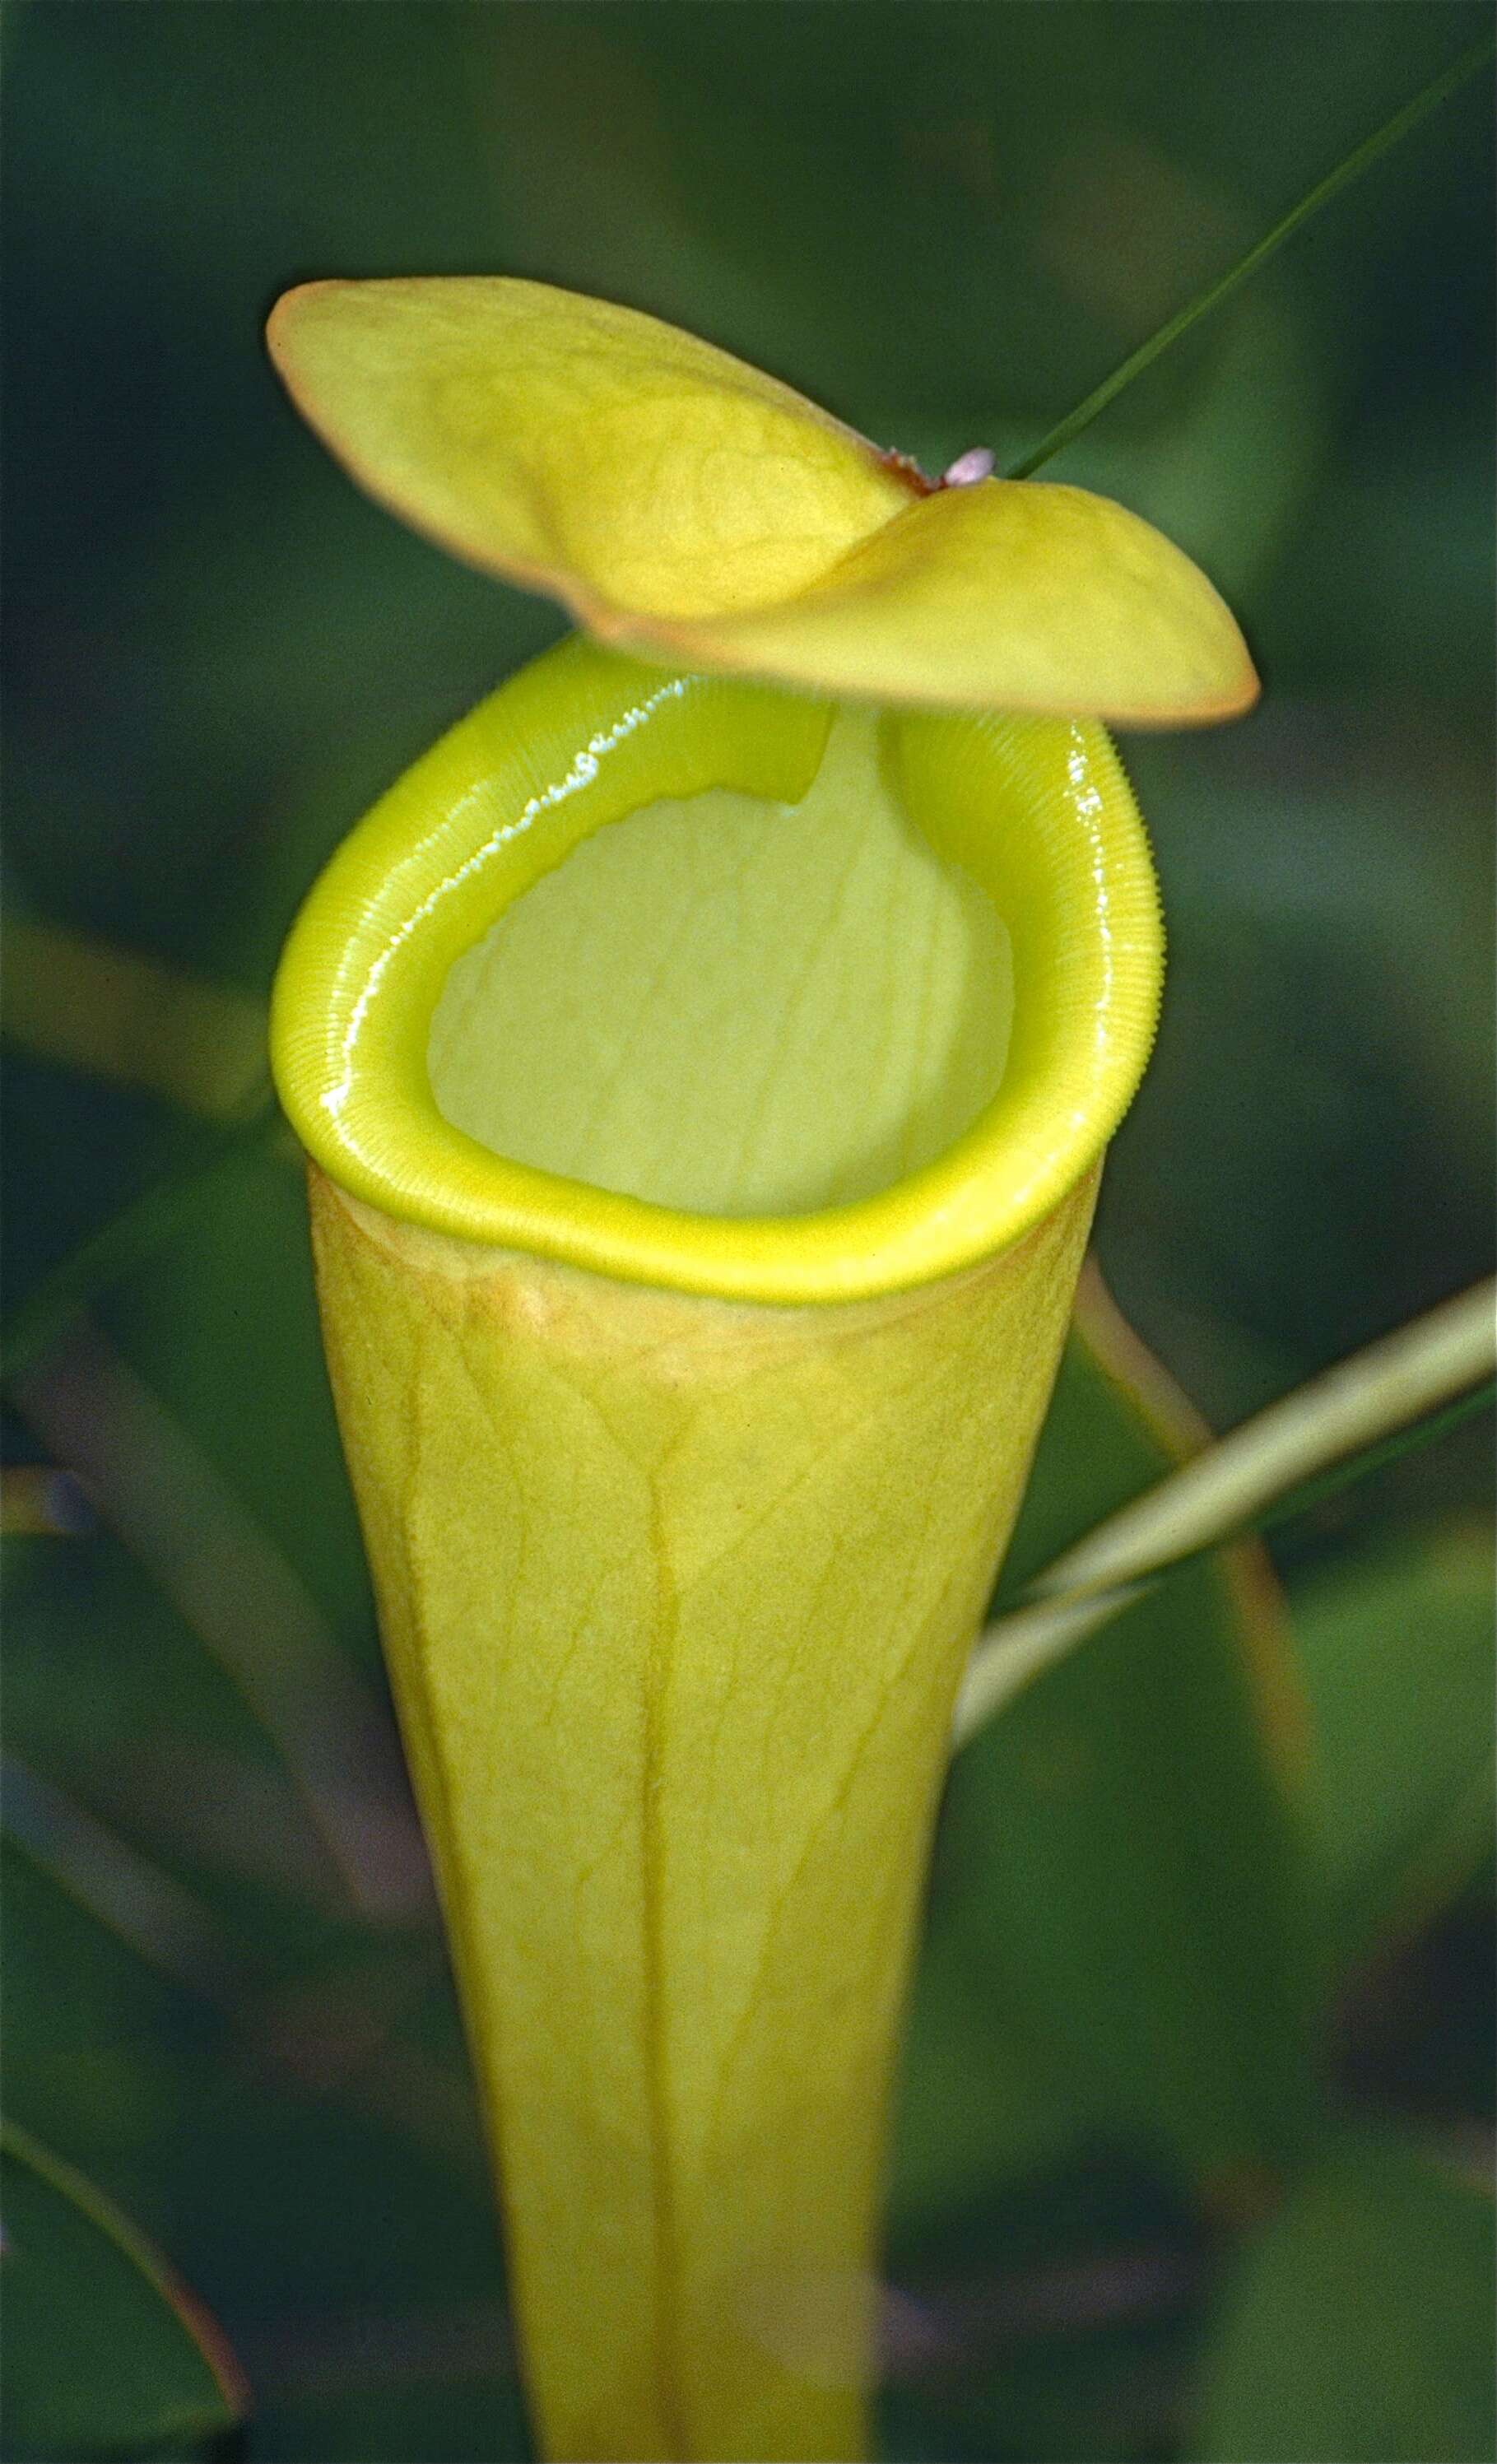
1037 809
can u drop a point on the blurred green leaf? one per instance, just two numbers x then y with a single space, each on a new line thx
103 2348
312 2150
1120 1886
974 2108
126 1242
103 2055
1398 1657
1358 2329
451 2415
1053 2322
1320 1068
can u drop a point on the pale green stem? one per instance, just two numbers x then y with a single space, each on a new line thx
1228 1488
88 1004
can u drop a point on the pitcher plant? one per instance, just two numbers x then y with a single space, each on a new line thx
705 1058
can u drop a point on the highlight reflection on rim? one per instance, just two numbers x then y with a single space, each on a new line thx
1036 810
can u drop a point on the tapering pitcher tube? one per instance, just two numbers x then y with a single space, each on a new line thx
682 1517
676 1594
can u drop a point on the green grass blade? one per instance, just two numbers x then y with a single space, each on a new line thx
1361 158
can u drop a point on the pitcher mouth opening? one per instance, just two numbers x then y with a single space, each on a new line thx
704 985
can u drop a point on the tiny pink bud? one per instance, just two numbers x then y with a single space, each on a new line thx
977 463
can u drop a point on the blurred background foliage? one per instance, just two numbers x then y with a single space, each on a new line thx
1200 2090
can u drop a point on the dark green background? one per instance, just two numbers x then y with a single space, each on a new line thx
947 223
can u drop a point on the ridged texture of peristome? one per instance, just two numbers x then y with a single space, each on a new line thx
1034 813
676 1594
